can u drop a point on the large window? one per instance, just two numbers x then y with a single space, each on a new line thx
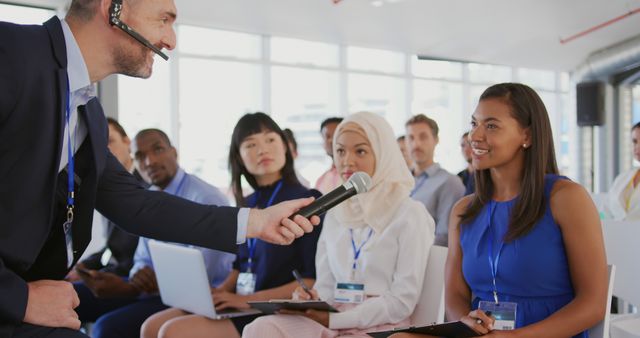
215 76
443 102
376 60
303 52
489 74
146 103
213 95
437 69
24 14
383 95
300 99
212 42
636 104
541 79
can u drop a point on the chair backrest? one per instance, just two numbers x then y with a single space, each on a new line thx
601 330
621 244
430 307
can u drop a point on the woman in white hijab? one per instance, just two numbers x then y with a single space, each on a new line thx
373 249
623 199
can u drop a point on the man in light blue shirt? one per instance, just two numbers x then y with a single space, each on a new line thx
435 187
139 295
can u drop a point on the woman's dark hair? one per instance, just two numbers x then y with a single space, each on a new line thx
635 126
248 125
539 159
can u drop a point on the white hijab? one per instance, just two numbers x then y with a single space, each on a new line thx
391 181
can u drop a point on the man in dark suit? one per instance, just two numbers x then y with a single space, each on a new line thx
117 254
55 167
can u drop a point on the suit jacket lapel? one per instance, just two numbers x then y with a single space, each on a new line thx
97 133
58 45
60 52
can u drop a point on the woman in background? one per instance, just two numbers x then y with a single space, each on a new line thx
376 242
262 271
623 199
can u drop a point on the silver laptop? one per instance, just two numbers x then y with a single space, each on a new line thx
183 282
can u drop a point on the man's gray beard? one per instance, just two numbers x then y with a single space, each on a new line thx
130 63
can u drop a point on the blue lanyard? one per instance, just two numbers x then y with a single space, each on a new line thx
251 242
421 179
70 153
493 264
356 251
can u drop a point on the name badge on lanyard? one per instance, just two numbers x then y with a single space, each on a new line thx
503 312
353 290
246 283
67 226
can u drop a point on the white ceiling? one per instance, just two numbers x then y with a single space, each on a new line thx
511 32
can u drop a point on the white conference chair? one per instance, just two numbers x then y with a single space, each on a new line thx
430 307
621 245
601 330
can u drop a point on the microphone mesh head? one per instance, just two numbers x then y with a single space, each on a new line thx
361 181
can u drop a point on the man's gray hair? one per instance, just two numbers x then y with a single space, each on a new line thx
83 10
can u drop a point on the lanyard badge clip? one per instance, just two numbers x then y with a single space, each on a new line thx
69 213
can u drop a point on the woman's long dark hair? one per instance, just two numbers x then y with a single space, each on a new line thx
539 159
248 125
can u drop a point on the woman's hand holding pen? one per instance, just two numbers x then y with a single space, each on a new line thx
479 321
322 317
300 294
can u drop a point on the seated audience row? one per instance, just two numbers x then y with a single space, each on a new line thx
525 245
120 305
262 271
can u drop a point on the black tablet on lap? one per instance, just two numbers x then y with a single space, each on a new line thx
275 305
448 330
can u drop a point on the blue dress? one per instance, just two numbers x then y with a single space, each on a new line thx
532 271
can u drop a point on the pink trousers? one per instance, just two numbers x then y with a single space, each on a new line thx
294 326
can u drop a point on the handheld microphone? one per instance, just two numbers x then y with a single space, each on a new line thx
114 19
358 183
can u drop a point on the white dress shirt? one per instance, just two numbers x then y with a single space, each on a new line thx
81 91
391 265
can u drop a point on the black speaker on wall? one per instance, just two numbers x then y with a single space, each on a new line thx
590 99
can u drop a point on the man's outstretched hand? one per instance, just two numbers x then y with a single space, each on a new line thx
274 226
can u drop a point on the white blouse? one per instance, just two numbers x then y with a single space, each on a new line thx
623 200
391 265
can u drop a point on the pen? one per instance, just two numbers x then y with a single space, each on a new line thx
298 278
479 321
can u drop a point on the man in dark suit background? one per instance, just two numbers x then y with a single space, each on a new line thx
49 119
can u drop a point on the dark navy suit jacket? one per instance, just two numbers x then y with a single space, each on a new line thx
33 86
120 243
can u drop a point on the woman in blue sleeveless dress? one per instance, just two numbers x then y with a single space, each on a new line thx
534 233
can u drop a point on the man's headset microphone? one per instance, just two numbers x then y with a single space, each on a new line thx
114 19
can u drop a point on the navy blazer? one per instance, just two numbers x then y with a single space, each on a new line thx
33 86
120 243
